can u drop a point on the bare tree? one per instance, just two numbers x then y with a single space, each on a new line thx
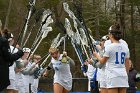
133 43
117 9
8 13
122 17
96 17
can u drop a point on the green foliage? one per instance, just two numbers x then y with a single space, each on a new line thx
50 3
3 9
135 2
3 4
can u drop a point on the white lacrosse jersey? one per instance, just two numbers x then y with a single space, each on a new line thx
115 65
12 75
62 73
108 42
11 68
103 76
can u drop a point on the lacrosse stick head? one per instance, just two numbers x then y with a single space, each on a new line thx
68 27
45 28
61 39
65 6
55 40
46 31
47 21
110 28
66 9
83 37
77 38
46 14
32 2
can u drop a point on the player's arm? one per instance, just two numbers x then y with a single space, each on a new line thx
102 60
49 67
127 65
127 61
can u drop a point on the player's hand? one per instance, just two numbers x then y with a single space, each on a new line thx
45 74
95 54
86 62
64 53
90 61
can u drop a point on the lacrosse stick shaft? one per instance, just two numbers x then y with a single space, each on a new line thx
79 57
27 22
27 39
64 45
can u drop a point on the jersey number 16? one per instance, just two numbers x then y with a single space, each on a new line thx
122 59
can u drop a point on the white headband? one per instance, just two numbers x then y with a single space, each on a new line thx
26 50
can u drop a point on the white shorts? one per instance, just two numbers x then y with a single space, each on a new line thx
20 90
34 86
20 86
26 88
103 79
12 84
116 82
34 89
102 84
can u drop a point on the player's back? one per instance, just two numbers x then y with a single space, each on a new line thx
115 65
117 53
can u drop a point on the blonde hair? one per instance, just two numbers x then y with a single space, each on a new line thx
52 50
37 57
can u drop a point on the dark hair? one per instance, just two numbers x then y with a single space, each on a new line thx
6 34
115 31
